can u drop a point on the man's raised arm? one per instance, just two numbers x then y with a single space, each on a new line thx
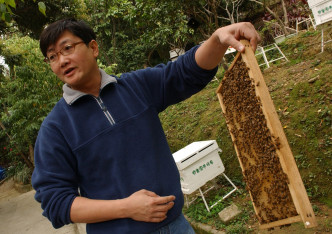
210 53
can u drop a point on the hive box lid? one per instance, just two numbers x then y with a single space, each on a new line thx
193 152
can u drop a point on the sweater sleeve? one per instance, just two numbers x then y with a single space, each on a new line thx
170 83
54 177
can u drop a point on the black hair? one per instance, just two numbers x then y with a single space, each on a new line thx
53 31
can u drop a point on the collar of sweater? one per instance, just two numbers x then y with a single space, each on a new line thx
70 95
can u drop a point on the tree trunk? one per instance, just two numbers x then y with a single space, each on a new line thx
215 14
285 13
31 154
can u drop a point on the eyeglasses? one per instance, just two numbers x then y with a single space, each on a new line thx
66 50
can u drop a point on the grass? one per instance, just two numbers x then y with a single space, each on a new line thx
301 92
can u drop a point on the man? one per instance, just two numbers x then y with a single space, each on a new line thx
101 156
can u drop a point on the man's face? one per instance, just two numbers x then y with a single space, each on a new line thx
78 68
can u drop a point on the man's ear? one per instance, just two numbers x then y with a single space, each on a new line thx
94 46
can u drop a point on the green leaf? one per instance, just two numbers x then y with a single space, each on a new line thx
9 10
8 17
42 8
2 8
11 3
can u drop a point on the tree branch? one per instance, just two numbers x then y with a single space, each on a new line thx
282 25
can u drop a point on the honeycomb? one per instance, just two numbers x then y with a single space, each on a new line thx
256 147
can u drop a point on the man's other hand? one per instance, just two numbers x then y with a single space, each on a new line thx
147 206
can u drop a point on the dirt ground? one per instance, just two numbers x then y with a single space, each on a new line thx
8 191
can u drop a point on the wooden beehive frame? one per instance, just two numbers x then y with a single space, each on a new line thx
293 179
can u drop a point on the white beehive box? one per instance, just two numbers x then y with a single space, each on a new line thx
198 163
322 10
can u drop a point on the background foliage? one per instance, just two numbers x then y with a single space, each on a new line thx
28 94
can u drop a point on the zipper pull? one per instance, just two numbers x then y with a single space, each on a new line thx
103 107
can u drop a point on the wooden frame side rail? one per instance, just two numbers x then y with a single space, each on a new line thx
288 164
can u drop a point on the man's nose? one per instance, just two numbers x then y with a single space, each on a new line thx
63 60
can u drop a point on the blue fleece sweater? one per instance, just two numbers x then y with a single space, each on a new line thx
114 145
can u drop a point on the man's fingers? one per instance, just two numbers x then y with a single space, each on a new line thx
147 206
159 200
249 33
166 199
232 34
237 45
164 207
254 41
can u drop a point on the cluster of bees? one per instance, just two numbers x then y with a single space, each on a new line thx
256 146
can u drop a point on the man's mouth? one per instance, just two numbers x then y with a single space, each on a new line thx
69 70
